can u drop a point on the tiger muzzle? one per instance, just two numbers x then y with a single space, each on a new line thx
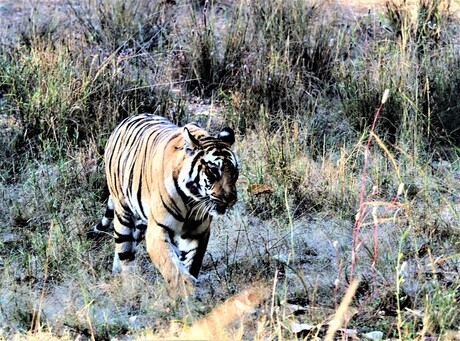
228 201
230 198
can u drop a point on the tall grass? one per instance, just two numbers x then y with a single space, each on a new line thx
125 25
409 59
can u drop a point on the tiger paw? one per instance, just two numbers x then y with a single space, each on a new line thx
94 235
182 286
97 232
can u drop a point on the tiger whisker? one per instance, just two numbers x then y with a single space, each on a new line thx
197 209
197 205
204 209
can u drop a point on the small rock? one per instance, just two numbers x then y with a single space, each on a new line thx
349 332
133 321
375 335
9 238
300 327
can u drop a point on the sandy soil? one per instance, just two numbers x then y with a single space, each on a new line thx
13 11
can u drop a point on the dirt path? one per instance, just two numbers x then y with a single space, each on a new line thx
363 6
12 12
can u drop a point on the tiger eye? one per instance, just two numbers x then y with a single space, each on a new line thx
212 173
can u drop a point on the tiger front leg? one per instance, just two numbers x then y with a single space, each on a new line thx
197 258
162 252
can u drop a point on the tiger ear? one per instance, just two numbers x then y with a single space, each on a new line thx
227 135
190 142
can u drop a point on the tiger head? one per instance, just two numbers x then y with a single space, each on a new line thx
210 170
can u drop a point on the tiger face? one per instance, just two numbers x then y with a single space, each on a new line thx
212 172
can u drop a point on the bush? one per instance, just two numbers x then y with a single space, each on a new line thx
410 61
279 69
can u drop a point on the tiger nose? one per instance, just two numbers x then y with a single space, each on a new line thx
230 198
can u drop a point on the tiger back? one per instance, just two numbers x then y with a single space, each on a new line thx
166 183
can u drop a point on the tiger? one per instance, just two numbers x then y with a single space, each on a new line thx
166 184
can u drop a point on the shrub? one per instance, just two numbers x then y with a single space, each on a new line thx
275 57
411 61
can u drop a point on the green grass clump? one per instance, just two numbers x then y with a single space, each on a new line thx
277 70
410 59
138 25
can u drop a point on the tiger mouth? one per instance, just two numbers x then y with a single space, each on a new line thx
221 209
220 206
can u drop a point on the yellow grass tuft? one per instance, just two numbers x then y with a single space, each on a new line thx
213 326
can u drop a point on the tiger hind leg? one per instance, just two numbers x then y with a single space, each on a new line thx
102 228
128 265
125 241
